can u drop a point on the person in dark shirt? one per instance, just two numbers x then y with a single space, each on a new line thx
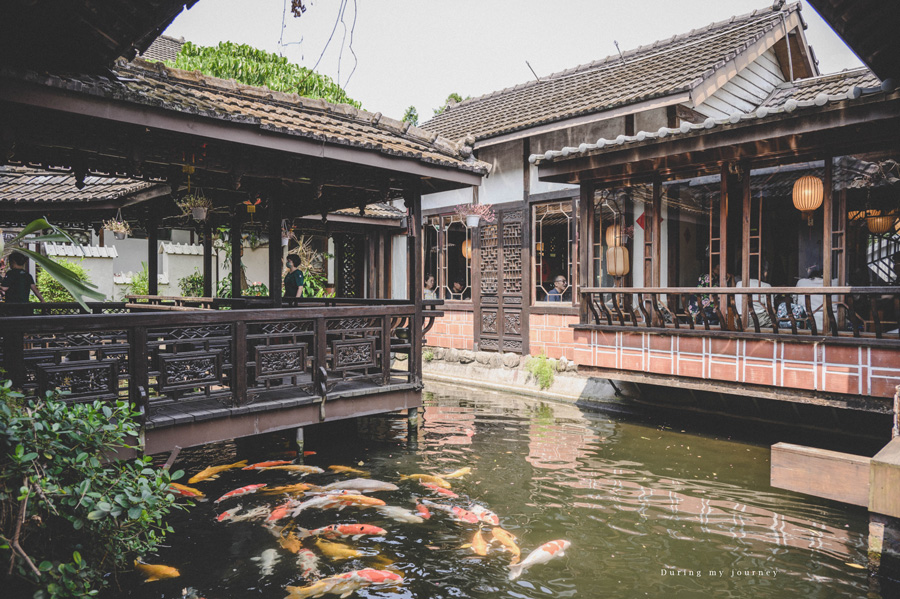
559 289
293 281
17 285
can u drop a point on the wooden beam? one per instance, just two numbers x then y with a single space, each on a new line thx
236 248
415 256
829 474
827 231
152 224
745 238
656 233
884 480
207 258
585 231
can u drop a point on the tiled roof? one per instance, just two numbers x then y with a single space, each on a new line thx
154 84
378 211
663 68
21 184
832 84
790 105
163 48
66 250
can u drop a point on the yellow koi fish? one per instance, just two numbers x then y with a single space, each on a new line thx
289 489
290 542
186 491
348 470
458 473
337 551
156 571
479 545
508 541
213 472
428 478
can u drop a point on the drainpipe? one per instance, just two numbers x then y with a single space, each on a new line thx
896 430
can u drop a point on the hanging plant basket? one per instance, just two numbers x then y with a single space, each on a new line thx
199 213
474 213
118 227
472 220
196 204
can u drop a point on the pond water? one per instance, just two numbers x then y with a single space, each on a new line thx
650 512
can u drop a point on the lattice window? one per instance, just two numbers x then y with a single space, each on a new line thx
448 256
554 251
350 266
490 264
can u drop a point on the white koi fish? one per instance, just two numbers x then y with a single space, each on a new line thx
541 555
399 514
268 559
361 485
308 562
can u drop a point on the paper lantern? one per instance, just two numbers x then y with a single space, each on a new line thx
807 195
614 235
878 223
617 261
467 249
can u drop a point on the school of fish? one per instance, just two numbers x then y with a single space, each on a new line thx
336 542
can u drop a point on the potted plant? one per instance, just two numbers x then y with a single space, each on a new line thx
473 213
197 204
119 228
286 234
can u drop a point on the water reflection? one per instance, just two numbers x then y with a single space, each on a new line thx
649 511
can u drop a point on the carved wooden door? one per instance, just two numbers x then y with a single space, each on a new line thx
502 322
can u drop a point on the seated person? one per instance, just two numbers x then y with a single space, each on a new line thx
816 302
430 292
458 291
785 303
758 302
559 290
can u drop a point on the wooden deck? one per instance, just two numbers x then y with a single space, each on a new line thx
205 375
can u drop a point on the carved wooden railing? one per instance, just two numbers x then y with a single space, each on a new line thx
856 312
235 357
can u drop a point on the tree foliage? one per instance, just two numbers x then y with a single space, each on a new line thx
259 68
453 98
52 289
411 116
69 517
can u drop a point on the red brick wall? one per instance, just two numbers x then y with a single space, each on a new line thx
454 329
835 369
551 334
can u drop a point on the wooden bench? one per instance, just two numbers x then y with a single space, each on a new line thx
169 302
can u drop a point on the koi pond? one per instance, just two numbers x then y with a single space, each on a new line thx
650 511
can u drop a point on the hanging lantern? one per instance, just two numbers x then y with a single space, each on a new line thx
467 249
878 223
808 191
617 261
614 235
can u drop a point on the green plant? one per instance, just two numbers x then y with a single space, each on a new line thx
315 285
427 355
541 368
68 517
140 282
411 116
256 289
223 289
194 200
192 284
117 226
52 289
259 68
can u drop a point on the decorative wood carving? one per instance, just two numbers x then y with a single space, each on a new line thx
279 361
189 370
351 354
85 380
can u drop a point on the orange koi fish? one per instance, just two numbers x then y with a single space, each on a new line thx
541 555
335 531
423 511
345 584
428 478
213 472
281 511
186 491
289 489
266 464
508 541
290 542
348 470
478 545
440 490
457 513
484 514
156 571
242 491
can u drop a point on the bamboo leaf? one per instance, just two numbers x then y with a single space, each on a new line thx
78 288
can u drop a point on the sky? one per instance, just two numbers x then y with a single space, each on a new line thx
416 52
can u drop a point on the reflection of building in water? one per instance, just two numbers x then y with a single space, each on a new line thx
448 425
725 517
560 435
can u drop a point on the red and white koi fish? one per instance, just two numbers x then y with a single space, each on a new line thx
345 584
185 491
266 464
281 511
484 514
308 563
338 531
541 555
238 492
423 511
260 512
228 514
459 514
440 490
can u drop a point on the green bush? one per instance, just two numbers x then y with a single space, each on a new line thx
541 368
427 355
140 282
192 284
52 290
76 517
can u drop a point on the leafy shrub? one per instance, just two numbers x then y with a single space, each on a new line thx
541 368
140 282
192 284
52 290
75 517
256 289
427 355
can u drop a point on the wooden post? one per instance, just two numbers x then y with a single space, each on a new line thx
723 243
153 254
827 237
656 233
745 243
585 234
275 253
415 255
207 258
236 246
371 265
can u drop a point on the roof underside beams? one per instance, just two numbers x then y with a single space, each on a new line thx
845 129
52 128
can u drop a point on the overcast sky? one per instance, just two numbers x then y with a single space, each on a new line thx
416 52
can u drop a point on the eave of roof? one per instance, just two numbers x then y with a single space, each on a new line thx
38 188
537 103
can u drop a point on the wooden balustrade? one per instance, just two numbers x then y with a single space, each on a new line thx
831 312
236 357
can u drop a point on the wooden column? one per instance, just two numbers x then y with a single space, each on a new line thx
415 255
275 253
371 265
723 244
153 254
827 237
656 234
207 258
745 243
236 245
585 238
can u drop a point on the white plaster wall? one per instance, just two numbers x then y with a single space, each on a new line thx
399 285
448 198
505 181
637 256
132 252
651 120
99 271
